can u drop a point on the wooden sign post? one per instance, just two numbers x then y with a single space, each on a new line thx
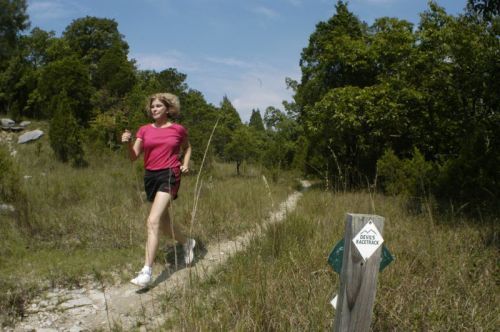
358 279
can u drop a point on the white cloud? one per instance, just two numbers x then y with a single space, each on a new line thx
248 85
229 62
267 12
159 62
257 86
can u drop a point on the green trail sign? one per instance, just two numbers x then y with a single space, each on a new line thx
337 255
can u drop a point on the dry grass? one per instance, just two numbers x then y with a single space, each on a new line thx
92 219
445 277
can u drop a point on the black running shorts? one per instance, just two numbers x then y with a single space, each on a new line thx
165 180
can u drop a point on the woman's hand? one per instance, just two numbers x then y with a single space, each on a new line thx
126 136
184 169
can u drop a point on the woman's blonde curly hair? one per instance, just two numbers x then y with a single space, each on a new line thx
170 100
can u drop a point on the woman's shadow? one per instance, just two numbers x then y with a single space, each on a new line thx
174 261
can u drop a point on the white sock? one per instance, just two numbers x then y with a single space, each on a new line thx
147 269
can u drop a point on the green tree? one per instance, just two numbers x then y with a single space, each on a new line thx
429 90
19 80
243 147
272 117
91 37
229 121
37 44
114 78
281 143
337 55
486 8
256 121
65 133
59 49
392 45
13 20
71 77
199 118
171 80
114 72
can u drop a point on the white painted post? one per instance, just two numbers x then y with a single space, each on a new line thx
358 279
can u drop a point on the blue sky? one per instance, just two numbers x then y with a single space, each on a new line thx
243 49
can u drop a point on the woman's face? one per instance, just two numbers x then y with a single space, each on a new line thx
158 109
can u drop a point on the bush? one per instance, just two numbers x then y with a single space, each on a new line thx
105 131
408 177
65 133
472 179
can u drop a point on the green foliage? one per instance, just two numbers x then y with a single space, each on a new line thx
114 72
281 141
337 55
407 177
65 133
256 121
472 178
13 20
243 146
368 89
229 121
199 118
171 80
17 83
20 78
69 78
488 9
37 44
91 37
300 154
105 130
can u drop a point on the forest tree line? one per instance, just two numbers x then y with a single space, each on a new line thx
411 109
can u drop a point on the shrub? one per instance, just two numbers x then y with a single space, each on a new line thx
472 179
408 177
65 133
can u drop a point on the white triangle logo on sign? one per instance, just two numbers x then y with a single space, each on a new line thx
368 240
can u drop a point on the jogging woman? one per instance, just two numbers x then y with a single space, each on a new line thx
161 142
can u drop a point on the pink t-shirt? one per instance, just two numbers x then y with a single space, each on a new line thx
161 146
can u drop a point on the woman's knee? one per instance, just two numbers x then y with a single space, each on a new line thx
153 223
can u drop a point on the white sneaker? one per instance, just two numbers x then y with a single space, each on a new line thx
189 251
143 278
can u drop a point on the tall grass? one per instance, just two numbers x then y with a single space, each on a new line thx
93 219
444 278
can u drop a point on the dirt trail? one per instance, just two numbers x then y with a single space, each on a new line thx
91 308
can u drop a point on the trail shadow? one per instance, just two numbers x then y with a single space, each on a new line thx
174 259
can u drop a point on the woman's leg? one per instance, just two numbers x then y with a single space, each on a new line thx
168 228
159 208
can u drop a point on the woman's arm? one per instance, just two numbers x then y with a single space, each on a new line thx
186 147
134 149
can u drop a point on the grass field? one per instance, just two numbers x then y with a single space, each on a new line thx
444 278
90 221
